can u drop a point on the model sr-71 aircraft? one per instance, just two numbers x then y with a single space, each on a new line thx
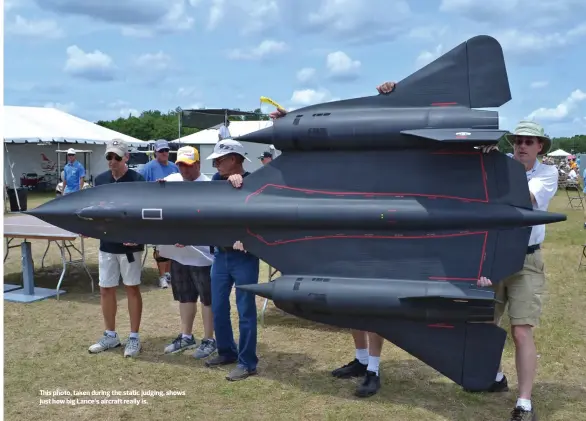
380 213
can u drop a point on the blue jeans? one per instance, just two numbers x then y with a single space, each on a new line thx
235 268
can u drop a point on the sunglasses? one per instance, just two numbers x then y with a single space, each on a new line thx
528 142
70 154
112 156
163 151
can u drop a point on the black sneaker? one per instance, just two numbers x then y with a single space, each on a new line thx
520 414
220 360
353 369
369 386
496 387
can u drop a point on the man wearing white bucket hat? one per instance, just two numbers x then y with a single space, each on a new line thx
523 291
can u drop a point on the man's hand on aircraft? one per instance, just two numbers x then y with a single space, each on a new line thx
238 246
278 114
489 148
386 88
179 246
235 180
484 282
130 244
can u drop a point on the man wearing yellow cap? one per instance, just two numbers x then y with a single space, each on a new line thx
191 271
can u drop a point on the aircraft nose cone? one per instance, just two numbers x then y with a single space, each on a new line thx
264 290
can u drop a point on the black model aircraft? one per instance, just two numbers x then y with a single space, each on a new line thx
380 213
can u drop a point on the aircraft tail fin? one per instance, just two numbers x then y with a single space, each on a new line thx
472 74
469 354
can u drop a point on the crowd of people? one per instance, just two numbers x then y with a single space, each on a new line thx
208 274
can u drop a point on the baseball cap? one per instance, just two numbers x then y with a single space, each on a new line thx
70 151
228 146
187 155
117 146
161 144
265 155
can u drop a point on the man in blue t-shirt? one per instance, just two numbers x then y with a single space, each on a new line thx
233 266
73 173
154 170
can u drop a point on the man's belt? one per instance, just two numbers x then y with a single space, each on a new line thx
533 249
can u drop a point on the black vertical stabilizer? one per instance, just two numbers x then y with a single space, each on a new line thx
469 354
472 75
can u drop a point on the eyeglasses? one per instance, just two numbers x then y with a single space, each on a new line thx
528 141
163 151
70 154
112 156
219 160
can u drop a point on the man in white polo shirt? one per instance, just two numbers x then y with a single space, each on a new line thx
191 271
523 291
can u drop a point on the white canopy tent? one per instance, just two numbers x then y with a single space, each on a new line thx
205 140
32 136
559 153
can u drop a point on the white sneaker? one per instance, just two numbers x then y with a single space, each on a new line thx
163 282
106 342
168 276
132 347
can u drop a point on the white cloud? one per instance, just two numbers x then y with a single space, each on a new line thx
351 17
340 66
67 107
426 57
92 66
34 28
532 13
563 110
260 15
306 97
187 91
265 48
125 112
154 62
428 32
539 84
216 13
307 74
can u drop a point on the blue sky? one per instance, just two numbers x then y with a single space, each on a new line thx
100 59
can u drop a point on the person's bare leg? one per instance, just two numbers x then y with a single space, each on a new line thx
187 312
109 307
134 307
525 359
360 339
208 321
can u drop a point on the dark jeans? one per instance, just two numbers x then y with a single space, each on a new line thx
235 268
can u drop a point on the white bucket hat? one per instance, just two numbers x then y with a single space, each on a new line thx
531 129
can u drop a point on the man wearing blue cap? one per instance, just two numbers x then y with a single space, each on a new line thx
154 170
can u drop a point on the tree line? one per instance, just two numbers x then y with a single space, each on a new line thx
154 124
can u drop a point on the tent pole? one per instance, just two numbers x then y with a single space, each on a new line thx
13 178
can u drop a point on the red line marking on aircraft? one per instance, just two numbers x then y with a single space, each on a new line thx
443 104
441 326
388 237
394 194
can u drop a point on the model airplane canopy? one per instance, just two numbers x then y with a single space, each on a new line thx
380 213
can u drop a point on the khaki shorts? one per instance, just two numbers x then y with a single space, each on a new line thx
523 293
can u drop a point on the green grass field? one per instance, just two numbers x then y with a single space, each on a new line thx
45 348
